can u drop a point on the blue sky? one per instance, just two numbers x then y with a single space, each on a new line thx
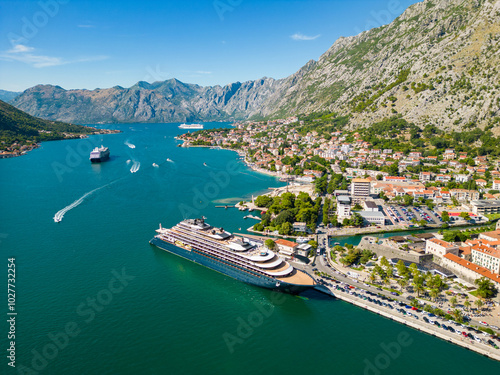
93 43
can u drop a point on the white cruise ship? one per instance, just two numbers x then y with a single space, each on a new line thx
191 126
240 258
99 154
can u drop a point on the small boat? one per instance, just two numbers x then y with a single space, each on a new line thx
205 164
168 159
155 165
57 220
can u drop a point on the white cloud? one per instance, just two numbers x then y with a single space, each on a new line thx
19 48
24 54
300 36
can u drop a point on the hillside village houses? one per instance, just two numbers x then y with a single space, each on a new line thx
269 146
272 141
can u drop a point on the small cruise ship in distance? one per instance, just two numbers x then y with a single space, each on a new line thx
99 154
240 258
191 126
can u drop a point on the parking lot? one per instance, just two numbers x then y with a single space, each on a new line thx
403 215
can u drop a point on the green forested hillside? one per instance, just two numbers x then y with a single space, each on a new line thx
18 127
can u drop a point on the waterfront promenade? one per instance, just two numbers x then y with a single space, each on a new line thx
393 314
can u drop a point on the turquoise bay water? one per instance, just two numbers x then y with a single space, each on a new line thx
169 316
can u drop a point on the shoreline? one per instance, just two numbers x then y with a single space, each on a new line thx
420 326
8 155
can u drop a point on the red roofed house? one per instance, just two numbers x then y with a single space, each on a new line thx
467 270
286 248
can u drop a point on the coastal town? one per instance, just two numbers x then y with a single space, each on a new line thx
446 203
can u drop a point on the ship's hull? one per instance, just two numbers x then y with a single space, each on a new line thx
229 270
99 159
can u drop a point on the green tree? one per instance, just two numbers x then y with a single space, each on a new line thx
486 289
402 269
478 303
384 262
403 283
313 244
356 220
434 293
413 270
418 287
445 216
263 201
373 276
467 304
408 200
258 227
286 229
457 314
453 301
270 244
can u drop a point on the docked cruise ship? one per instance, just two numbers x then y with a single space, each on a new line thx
191 126
239 258
99 154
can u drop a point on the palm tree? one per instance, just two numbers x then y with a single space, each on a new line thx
403 283
453 301
414 303
434 293
372 276
457 315
419 288
467 304
479 304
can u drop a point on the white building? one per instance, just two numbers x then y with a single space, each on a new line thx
440 247
286 248
483 207
373 217
360 189
343 207
487 257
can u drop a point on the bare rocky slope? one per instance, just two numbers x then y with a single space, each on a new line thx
436 63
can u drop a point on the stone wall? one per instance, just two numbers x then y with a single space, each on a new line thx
390 252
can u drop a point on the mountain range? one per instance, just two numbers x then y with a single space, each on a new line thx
437 63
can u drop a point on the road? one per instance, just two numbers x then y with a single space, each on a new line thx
322 265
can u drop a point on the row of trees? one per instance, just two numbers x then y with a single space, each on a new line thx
286 209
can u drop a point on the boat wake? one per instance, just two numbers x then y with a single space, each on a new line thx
170 160
60 214
135 167
129 161
156 165
129 144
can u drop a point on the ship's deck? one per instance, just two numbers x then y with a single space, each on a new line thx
297 277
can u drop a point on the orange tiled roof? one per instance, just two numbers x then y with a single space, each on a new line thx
473 267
